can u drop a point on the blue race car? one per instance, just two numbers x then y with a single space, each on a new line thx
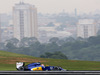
36 67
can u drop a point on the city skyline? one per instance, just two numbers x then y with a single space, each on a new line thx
54 6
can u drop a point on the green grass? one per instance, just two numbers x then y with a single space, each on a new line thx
8 62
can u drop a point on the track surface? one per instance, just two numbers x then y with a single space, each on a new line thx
49 72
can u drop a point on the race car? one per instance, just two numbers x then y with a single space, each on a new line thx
20 66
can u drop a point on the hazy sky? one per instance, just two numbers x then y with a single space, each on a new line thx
54 6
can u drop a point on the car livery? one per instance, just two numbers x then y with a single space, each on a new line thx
20 66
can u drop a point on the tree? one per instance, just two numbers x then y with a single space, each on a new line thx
28 41
94 40
24 41
70 39
55 55
32 40
54 40
14 41
98 33
60 42
80 39
10 46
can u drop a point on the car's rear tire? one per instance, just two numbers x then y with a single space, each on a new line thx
21 68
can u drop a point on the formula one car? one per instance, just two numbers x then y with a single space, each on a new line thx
20 66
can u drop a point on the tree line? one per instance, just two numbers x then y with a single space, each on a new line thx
70 48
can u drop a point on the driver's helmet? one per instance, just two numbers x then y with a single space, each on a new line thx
42 64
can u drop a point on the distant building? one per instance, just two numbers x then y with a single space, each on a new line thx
25 20
5 19
45 33
86 28
75 12
6 27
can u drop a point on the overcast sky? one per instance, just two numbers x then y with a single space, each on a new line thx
54 6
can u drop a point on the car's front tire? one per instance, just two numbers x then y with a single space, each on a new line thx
56 68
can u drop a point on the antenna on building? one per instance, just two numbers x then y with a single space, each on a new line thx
75 12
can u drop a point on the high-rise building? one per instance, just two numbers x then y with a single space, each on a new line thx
86 28
25 20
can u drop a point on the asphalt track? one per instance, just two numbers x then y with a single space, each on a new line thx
49 72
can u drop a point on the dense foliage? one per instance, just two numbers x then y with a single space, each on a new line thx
55 55
79 49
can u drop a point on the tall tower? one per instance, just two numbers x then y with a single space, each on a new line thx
75 12
25 20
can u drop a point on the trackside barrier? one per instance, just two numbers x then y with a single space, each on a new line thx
49 72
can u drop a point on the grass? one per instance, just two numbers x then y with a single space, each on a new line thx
8 62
